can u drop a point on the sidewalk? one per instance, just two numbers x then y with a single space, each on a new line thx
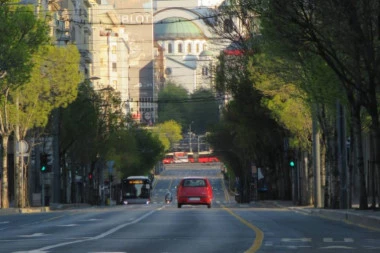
42 209
365 218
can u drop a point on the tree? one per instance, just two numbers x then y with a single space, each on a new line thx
345 35
134 150
246 133
86 128
50 87
22 34
168 132
80 137
204 110
172 100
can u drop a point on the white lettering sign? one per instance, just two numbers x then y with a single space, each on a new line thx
136 18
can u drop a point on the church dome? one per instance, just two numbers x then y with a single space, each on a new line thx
176 28
206 53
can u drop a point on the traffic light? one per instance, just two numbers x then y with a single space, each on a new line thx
90 175
43 162
292 163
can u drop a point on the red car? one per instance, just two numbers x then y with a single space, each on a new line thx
194 191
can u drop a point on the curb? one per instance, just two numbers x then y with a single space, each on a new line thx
45 209
9 211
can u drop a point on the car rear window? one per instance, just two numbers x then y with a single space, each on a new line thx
194 182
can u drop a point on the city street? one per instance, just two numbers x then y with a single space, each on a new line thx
163 228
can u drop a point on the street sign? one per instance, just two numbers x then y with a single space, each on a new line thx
22 147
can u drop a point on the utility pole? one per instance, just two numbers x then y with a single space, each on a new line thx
56 166
190 144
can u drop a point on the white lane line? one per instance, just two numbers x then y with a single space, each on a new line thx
68 225
32 235
93 220
30 251
328 239
4 222
337 247
111 231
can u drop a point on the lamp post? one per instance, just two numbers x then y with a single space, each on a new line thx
190 134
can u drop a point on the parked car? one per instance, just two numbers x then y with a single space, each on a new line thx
194 191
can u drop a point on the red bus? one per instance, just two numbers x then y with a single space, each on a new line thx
180 157
190 157
207 157
169 158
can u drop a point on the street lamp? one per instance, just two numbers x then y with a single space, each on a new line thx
191 149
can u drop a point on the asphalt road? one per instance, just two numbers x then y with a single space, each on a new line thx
163 228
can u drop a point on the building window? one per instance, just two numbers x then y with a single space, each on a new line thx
102 62
113 51
114 84
197 47
204 71
114 67
168 71
204 47
170 48
189 48
180 48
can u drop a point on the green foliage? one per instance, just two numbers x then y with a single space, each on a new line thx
80 122
203 110
172 104
249 132
286 101
168 132
135 151
21 35
50 85
60 75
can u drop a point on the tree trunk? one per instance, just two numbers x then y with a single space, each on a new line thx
375 159
357 126
4 186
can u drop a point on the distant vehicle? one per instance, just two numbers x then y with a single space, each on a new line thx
168 197
136 190
207 157
169 158
180 157
194 191
190 157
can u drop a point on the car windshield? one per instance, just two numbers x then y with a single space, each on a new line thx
194 182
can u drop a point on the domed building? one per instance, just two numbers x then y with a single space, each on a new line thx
184 54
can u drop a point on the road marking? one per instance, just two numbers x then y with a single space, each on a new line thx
32 235
259 234
337 247
296 239
30 251
4 222
107 233
296 246
347 240
68 225
92 220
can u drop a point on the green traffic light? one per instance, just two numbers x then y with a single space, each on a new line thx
43 168
291 163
